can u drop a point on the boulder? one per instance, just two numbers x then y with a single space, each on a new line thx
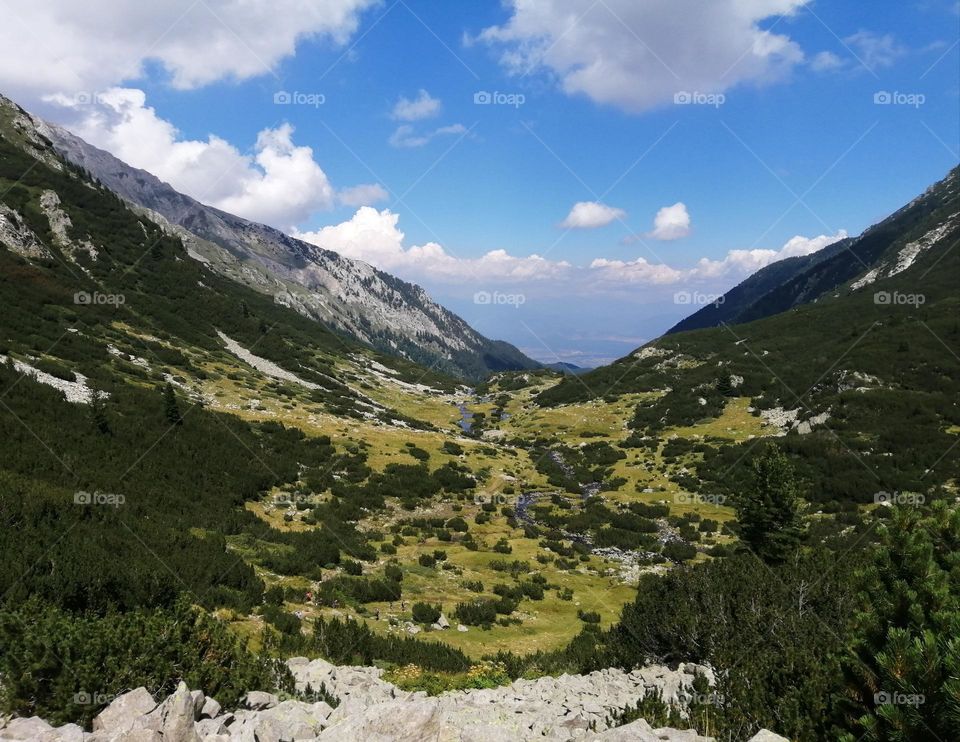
30 728
66 733
765 735
397 721
120 715
198 700
174 718
258 700
442 622
211 727
131 735
210 709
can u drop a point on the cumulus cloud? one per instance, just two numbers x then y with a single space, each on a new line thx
590 215
66 46
745 262
407 137
736 264
826 62
280 183
365 194
671 223
636 271
375 237
424 106
875 52
637 55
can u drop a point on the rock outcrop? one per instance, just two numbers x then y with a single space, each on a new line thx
568 707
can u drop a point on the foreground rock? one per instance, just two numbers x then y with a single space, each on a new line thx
569 707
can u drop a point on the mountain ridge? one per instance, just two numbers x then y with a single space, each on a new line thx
800 280
351 296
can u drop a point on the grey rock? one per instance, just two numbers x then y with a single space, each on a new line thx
765 735
66 733
211 727
258 699
120 715
198 701
25 728
210 709
174 718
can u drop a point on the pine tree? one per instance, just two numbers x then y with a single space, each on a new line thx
98 412
903 668
171 408
768 513
725 385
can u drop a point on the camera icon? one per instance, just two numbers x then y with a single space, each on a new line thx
882 498
82 698
882 98
82 498
82 297
882 297
682 98
682 297
482 98
883 698
482 297
282 98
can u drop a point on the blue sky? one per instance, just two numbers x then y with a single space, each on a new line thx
809 120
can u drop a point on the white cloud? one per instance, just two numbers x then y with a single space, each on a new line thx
876 52
736 264
66 46
407 137
590 215
280 184
637 55
424 106
826 62
671 223
635 271
373 236
363 195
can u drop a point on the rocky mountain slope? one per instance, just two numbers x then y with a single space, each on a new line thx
368 709
348 295
801 280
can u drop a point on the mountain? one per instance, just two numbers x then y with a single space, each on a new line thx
828 360
801 280
348 295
